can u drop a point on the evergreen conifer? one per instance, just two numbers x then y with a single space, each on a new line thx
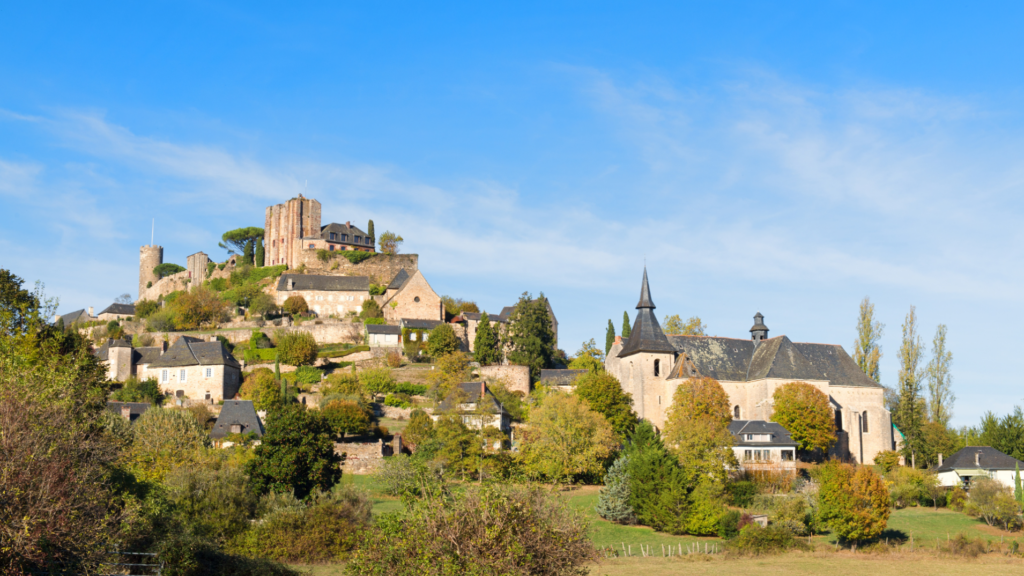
613 500
369 231
261 255
609 337
657 485
485 344
529 335
625 325
247 253
1018 493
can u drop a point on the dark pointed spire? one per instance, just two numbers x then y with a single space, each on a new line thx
645 294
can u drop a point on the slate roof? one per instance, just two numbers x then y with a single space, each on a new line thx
399 280
103 352
383 329
561 377
241 412
76 316
126 309
352 231
137 408
472 396
991 459
147 354
417 324
740 427
475 316
189 351
646 335
324 283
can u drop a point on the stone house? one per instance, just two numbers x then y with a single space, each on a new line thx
409 296
974 462
116 312
478 409
123 361
651 365
757 443
325 295
196 369
383 335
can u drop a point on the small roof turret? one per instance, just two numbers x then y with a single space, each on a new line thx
646 335
759 331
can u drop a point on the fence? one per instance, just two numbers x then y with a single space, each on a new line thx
647 550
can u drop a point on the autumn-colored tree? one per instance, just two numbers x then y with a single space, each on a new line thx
867 351
804 411
566 440
420 428
390 242
693 326
198 307
697 430
296 305
262 388
603 393
449 370
853 503
346 417
297 348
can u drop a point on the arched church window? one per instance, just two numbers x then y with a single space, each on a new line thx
864 422
736 412
657 368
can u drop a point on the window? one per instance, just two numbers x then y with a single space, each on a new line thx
412 336
209 372
331 247
425 336
416 299
207 394
344 237
864 422
311 246
787 455
359 239
236 428
274 244
736 412
369 241
164 376
757 455
334 236
181 375
657 368
746 455
839 420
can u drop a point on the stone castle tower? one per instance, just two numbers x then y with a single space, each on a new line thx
149 257
286 225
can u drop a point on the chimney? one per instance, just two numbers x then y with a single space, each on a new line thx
56 318
126 412
940 459
213 337
348 223
90 311
163 347
977 459
483 390
618 339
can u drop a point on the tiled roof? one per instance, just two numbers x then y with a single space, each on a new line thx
348 229
324 283
147 354
126 309
780 435
988 459
189 351
237 412
383 329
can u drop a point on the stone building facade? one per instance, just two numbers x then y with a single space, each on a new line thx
149 258
409 296
650 366
326 295
285 226
196 369
197 265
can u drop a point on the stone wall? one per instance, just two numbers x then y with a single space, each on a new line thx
284 227
362 457
165 286
149 257
516 378
380 269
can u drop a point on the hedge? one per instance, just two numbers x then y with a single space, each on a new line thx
261 354
343 353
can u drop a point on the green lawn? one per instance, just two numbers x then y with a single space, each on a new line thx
927 524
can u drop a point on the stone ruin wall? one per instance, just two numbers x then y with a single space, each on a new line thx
284 226
365 457
381 269
149 257
516 378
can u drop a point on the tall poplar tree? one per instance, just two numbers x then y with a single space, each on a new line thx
369 230
940 381
866 350
625 325
485 344
609 337
910 413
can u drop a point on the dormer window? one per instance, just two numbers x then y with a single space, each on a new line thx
359 239
334 236
344 237
369 241
236 428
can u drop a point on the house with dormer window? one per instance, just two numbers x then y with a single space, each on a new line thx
757 443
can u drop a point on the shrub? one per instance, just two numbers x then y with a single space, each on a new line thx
491 529
262 304
410 389
296 348
741 492
371 310
378 289
162 321
993 503
375 321
198 307
296 305
394 359
342 384
854 504
260 387
442 341
346 417
397 400
412 350
419 430
165 438
135 391
757 541
144 308
887 460
357 256
308 375
728 524
909 486
961 545
218 284
400 475
957 498
260 355
207 499
705 509
377 381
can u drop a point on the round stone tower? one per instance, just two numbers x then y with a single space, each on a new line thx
149 257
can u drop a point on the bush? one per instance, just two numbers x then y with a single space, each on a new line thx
491 529
410 389
308 375
218 284
342 384
162 321
371 310
357 256
398 401
296 305
144 308
346 417
400 475
262 304
757 541
729 524
296 348
909 486
260 387
961 545
325 531
377 381
207 500
260 355
993 503
198 307
135 391
165 438
887 460
378 289
442 341
741 492
419 430
375 321
957 498
394 359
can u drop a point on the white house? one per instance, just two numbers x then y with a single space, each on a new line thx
383 335
977 461
757 443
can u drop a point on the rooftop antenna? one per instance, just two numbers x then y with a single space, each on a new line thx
152 233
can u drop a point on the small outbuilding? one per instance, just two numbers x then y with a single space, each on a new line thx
972 462
383 335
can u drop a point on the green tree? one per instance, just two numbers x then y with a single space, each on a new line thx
588 357
993 502
165 438
609 337
936 439
420 428
485 344
296 454
167 269
867 350
456 447
297 348
909 416
262 304
625 325
658 491
346 417
940 381
529 336
370 232
804 411
371 309
604 395
697 430
390 243
17 305
135 390
454 306
566 440
262 388
1005 434
144 308
1018 492
196 308
261 255
442 341
296 305
693 326
853 504
613 499
241 241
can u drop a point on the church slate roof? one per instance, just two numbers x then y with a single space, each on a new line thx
646 335
237 412
126 309
76 316
189 351
989 459
324 283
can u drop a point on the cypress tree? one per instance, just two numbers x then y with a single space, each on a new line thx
277 369
625 325
369 231
485 344
260 254
613 500
609 337
1018 493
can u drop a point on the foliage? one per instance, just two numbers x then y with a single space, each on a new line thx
377 380
625 325
207 500
609 337
706 507
450 369
397 401
328 352
390 243
257 355
308 375
198 307
375 321
165 438
241 241
401 475
145 308
1005 434
529 336
741 492
867 350
371 310
603 394
162 321
260 256
134 390
940 381
697 429
393 359
296 348
347 417
342 384
566 440
296 305
693 326
485 343
729 524
419 429
588 357
511 401
909 415
262 304
455 306
909 486
442 341
854 504
994 503
887 460
411 389
167 269
613 500
378 289
658 490
296 454
454 446
935 440
804 411
756 541
355 256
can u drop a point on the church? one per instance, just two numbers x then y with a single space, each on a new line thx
651 365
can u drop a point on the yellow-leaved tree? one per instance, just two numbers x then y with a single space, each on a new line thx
697 430
804 411
566 441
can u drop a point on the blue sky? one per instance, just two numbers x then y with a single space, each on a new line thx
789 158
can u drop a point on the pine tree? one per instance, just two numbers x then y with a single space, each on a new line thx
260 253
485 344
277 369
910 409
609 337
1018 493
940 381
657 488
529 336
613 499
866 350
625 325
